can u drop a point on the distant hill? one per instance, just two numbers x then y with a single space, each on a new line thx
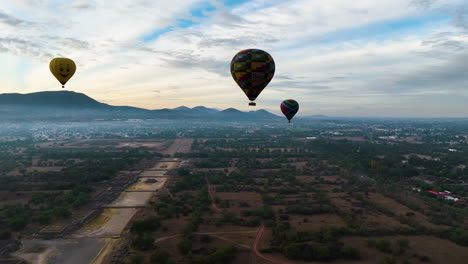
202 109
262 113
233 114
71 105
55 99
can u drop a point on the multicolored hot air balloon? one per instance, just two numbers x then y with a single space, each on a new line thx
289 108
252 69
63 69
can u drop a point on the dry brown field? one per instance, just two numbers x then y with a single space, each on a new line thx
11 198
439 250
400 209
156 144
315 221
182 145
356 139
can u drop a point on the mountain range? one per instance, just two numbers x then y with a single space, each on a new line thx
75 106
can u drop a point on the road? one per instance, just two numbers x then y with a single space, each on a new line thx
92 242
212 196
258 238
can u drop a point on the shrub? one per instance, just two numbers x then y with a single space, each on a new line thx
160 257
150 223
185 246
205 239
384 246
143 242
137 259
350 253
387 260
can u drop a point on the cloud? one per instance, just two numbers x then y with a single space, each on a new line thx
461 17
187 60
12 21
457 9
426 4
21 47
335 54
80 5
450 77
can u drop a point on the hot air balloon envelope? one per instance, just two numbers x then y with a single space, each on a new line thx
252 69
63 69
289 108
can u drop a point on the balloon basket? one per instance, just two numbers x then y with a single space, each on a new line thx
252 104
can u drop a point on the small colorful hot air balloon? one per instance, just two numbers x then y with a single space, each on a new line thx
63 69
289 108
252 70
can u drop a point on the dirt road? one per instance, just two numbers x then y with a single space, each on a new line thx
93 241
258 238
212 196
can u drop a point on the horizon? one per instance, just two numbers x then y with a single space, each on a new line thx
386 59
261 109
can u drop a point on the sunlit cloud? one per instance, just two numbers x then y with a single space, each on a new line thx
336 57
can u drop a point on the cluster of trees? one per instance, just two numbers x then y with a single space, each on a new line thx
158 256
142 229
220 255
14 218
320 252
307 209
213 163
386 246
14 154
380 162
92 168
311 245
57 193
183 203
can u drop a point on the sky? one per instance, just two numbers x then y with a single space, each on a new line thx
386 58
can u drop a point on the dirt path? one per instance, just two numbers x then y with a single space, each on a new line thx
179 145
211 194
258 238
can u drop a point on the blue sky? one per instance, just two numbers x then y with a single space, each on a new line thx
198 13
336 57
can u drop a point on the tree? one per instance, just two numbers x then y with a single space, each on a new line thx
350 253
143 242
222 255
321 252
43 218
137 259
387 260
185 246
4 234
150 223
205 239
403 245
384 246
160 257
61 211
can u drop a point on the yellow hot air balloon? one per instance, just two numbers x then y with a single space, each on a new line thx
63 69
